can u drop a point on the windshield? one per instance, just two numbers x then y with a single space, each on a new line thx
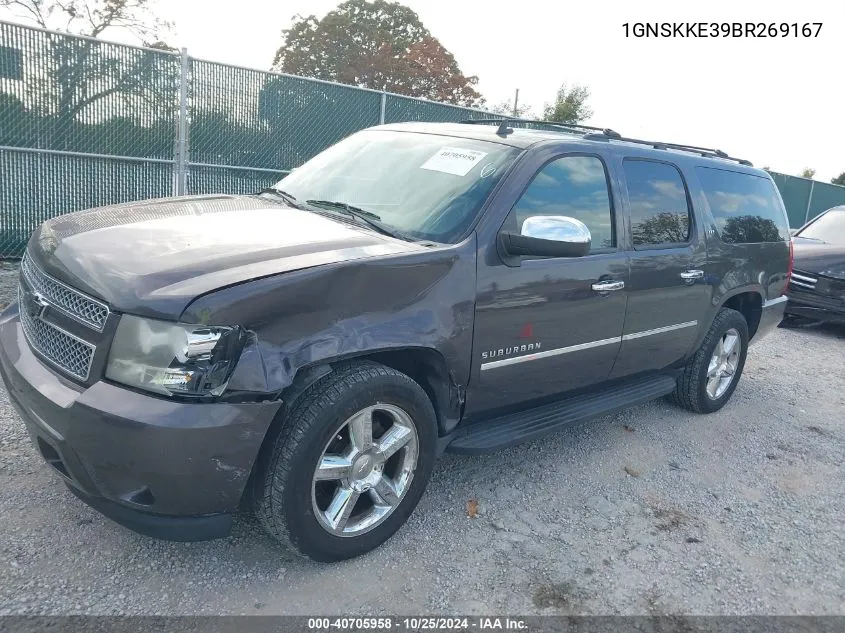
829 228
425 186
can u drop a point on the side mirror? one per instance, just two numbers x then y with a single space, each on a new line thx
548 236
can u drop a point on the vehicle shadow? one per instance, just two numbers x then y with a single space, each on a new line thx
502 478
817 329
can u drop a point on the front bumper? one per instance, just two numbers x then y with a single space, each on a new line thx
162 467
816 306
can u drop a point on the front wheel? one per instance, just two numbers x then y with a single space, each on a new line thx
349 464
709 380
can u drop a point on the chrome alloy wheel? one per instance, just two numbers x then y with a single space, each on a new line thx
723 364
365 470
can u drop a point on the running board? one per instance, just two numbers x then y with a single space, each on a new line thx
499 433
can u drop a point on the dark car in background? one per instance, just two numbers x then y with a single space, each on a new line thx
817 288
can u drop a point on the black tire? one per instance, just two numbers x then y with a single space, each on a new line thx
691 392
283 500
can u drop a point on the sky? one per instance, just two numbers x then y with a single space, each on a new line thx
779 102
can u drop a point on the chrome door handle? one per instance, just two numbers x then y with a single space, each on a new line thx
691 275
610 284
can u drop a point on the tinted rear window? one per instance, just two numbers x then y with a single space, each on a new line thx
746 208
657 197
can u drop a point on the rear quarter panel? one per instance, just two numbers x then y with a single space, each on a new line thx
733 269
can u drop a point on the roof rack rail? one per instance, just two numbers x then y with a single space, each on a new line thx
575 127
607 133
707 152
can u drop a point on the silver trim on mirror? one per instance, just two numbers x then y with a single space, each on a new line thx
556 228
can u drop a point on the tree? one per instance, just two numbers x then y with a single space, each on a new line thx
93 17
570 105
839 180
380 45
76 74
808 172
506 107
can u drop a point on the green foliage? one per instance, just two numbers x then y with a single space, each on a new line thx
83 95
380 45
808 172
506 107
839 180
570 105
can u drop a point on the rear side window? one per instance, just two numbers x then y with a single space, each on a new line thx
658 201
746 207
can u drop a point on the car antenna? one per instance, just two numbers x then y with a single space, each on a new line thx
504 129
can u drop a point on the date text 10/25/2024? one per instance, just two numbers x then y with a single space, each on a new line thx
421 623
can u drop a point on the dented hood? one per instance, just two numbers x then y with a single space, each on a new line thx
154 257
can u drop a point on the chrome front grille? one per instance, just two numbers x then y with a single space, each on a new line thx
803 281
75 304
58 347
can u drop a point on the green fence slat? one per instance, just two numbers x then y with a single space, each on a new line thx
795 193
825 196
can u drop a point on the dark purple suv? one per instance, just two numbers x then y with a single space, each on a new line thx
308 351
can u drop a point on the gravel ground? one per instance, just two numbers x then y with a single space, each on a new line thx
650 511
8 282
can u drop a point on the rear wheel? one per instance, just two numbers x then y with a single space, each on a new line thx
709 380
349 464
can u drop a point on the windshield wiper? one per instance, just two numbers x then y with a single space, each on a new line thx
367 217
284 195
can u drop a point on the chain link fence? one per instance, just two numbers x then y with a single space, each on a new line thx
82 123
85 123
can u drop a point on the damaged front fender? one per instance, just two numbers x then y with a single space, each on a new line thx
411 309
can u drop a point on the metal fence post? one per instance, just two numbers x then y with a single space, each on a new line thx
809 202
181 150
383 107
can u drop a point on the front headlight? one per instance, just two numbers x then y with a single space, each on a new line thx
173 358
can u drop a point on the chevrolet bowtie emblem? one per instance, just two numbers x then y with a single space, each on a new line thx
34 303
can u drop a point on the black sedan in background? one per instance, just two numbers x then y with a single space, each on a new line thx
817 288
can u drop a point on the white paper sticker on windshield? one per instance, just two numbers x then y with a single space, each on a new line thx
454 160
